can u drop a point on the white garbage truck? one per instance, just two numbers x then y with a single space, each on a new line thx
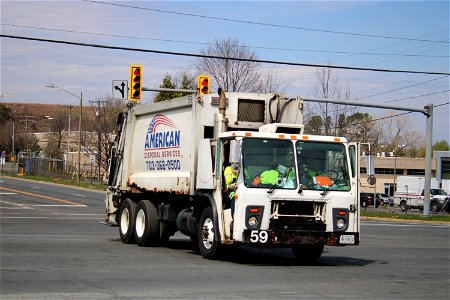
166 174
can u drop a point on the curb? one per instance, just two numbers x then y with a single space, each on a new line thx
404 220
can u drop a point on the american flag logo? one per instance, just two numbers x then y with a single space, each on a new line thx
159 120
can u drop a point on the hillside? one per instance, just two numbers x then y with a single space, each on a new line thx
34 115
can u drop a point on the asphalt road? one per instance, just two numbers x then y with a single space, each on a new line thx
53 247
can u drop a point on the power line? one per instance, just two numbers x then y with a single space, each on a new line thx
401 88
398 115
219 57
206 44
434 93
268 24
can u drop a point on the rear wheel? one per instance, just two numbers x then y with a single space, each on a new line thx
307 253
403 205
434 207
147 224
207 239
126 221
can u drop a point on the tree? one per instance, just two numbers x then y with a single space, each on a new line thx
397 136
441 145
99 140
5 114
234 75
230 75
182 80
334 115
167 84
314 125
360 127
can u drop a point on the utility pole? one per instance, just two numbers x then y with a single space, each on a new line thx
27 119
68 139
79 138
52 86
99 134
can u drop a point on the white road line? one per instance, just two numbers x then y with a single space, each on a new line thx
40 205
57 218
24 206
393 224
57 205
6 193
52 214
78 195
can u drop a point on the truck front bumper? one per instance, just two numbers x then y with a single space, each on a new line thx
293 237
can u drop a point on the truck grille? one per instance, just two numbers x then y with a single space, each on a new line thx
251 110
298 215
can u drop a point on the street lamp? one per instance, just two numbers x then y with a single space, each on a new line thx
395 162
79 124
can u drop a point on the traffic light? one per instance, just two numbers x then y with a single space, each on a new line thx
135 83
203 84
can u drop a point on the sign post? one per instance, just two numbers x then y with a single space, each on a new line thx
120 89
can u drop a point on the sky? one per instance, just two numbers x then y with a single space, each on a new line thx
393 35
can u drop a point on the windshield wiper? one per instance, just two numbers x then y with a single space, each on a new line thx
279 181
325 191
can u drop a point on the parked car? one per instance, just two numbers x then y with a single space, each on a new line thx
366 199
386 199
440 205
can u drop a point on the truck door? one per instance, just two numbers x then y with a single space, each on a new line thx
353 151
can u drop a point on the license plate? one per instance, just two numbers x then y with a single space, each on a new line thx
347 239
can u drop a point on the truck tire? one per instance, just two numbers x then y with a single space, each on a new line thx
126 221
307 253
147 224
403 205
207 239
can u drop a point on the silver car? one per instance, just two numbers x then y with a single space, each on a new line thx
386 199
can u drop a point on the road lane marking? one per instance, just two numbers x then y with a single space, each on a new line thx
20 206
1 193
52 218
78 195
44 197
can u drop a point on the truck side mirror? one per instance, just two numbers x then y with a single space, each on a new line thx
235 151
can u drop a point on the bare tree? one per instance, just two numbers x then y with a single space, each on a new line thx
270 82
234 75
397 136
333 115
99 141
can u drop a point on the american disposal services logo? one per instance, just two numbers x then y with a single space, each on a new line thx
162 134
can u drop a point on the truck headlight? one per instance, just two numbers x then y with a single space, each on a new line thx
252 221
340 223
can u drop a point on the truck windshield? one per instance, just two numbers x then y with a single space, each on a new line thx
322 166
269 163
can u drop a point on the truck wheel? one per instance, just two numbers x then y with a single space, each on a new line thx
126 221
307 253
403 205
147 224
208 244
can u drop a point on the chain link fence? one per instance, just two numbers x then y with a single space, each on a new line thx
54 168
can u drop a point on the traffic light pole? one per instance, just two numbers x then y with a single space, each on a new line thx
144 89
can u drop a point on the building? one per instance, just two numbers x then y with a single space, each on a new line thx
387 168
